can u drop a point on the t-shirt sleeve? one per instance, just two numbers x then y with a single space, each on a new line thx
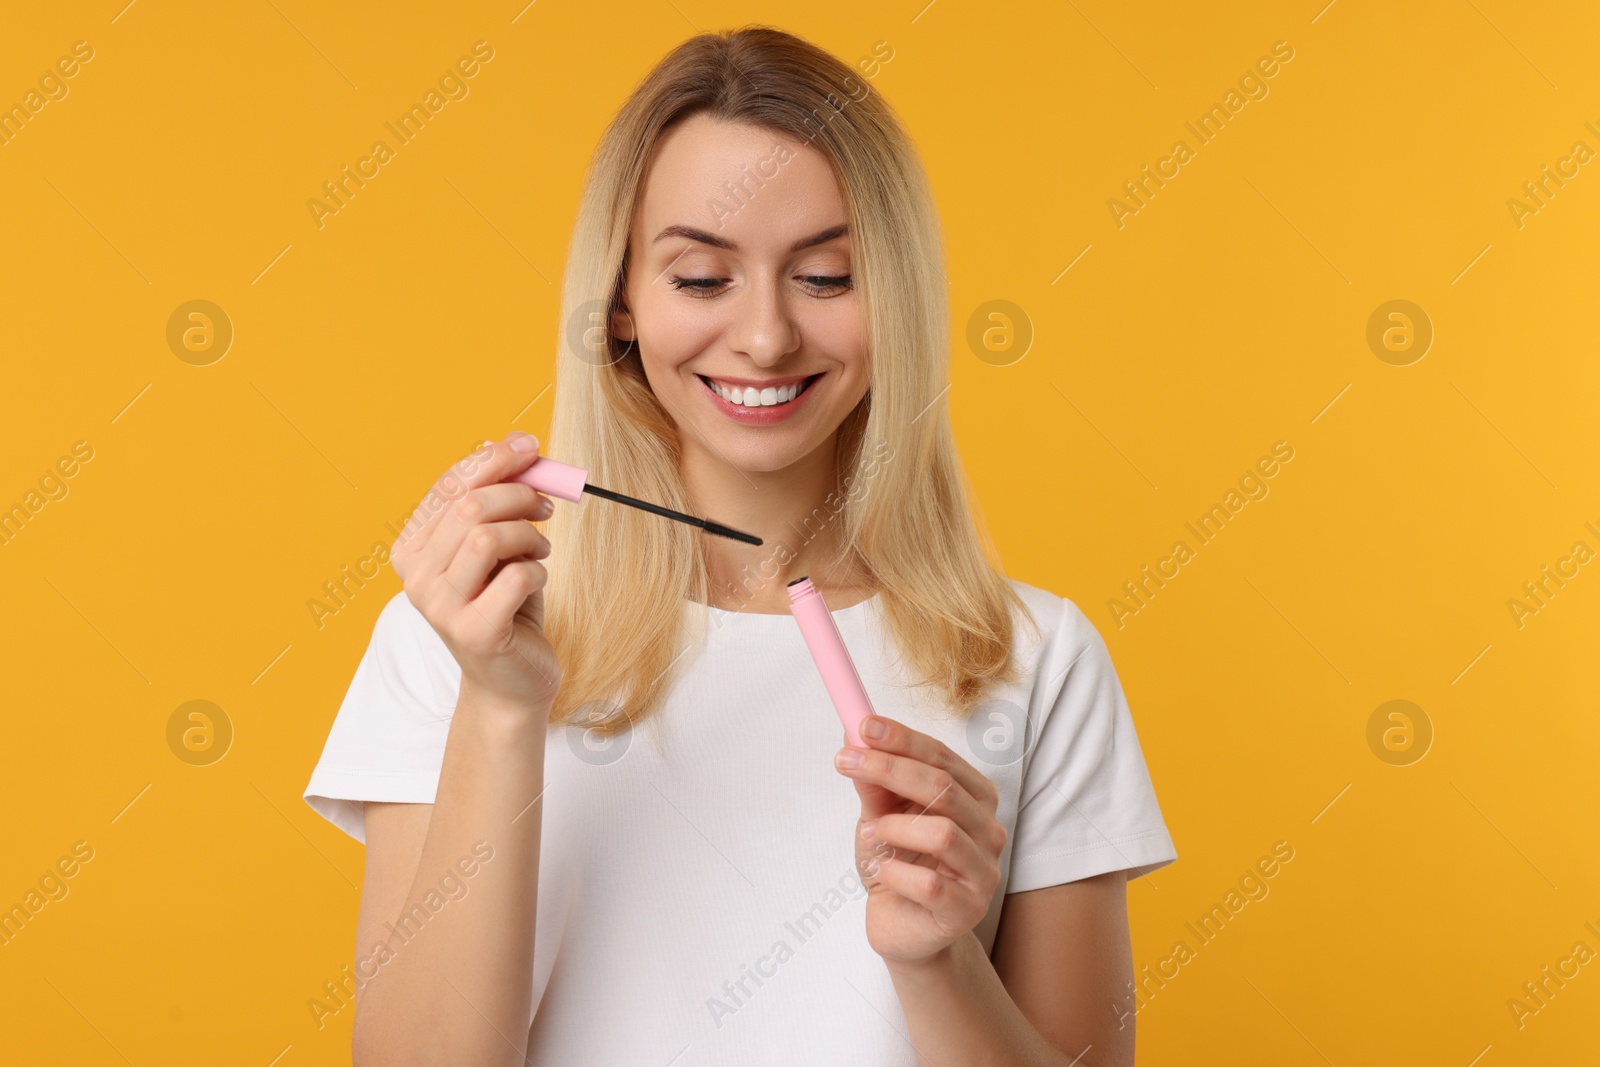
1087 805
387 740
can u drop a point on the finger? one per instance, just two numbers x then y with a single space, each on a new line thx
505 593
449 486
953 851
525 591
494 462
497 502
903 740
932 788
486 547
875 799
951 901
870 856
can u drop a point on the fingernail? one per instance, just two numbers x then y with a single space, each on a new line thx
875 728
867 828
524 443
850 757
547 508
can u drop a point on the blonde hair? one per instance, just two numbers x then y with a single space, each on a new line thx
619 577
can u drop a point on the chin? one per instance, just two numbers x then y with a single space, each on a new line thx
764 455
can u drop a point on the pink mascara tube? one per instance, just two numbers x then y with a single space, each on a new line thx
833 660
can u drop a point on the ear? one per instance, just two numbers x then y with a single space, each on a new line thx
622 325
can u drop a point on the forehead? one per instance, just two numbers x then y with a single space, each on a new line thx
757 187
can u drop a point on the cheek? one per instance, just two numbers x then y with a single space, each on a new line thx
675 328
840 336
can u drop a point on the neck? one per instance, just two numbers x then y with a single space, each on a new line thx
790 510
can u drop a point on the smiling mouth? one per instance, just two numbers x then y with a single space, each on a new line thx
751 397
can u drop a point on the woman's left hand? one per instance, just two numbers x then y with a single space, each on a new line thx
927 843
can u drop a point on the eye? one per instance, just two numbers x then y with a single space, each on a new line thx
827 283
699 287
817 284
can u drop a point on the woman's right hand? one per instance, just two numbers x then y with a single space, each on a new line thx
470 565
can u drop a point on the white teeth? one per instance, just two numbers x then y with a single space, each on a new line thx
751 397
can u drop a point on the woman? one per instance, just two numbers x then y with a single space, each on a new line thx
603 796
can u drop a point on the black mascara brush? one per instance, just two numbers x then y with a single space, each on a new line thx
570 483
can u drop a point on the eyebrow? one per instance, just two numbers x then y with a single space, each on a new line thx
703 237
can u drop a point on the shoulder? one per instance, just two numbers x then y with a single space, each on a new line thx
1067 657
408 643
401 619
1061 625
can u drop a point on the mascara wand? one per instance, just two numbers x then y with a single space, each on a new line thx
570 483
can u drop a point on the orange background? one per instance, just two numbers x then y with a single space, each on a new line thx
1229 313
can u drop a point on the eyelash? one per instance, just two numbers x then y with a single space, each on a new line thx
840 282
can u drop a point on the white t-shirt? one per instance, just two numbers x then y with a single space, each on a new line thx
698 900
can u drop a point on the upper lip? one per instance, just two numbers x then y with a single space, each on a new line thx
758 383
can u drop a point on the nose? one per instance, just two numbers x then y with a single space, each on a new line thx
765 329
